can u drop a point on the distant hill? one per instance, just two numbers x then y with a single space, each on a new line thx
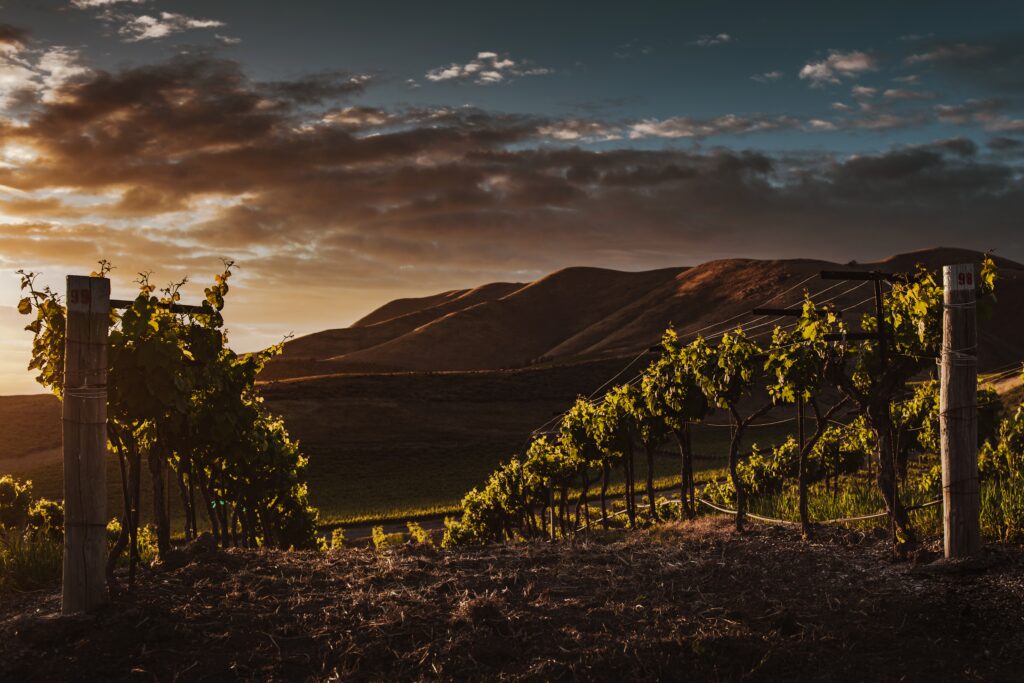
587 313
418 310
31 431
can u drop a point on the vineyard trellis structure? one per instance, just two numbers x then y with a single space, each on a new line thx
958 382
85 416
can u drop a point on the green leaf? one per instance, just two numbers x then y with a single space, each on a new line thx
25 306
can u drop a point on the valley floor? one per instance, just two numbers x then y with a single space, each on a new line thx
690 601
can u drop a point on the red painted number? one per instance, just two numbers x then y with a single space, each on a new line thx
966 279
81 296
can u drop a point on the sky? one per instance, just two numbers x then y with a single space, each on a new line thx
347 154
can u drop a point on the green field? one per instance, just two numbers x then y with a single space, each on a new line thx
395 447
409 489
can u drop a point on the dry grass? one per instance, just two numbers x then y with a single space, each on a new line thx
689 601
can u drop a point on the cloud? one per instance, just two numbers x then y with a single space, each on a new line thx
361 117
18 83
767 77
317 88
189 159
12 38
707 40
149 27
94 4
579 130
227 40
948 53
30 76
988 113
996 64
488 68
821 124
686 127
882 120
967 110
878 113
963 147
57 67
838 65
1006 146
1005 124
904 94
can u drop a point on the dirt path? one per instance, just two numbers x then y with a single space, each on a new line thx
688 601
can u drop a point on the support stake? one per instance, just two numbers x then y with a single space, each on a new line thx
85 443
958 413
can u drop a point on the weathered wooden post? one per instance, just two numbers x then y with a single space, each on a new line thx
85 443
958 413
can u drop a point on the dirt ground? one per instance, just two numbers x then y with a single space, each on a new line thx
685 602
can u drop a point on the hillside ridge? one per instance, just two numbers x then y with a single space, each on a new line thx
585 312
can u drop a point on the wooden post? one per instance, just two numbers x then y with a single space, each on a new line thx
85 443
958 413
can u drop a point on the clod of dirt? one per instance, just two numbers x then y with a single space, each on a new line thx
45 630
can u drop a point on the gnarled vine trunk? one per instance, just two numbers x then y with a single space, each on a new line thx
649 448
630 499
880 418
605 472
739 426
687 494
160 517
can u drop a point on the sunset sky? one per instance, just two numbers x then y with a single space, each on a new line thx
349 153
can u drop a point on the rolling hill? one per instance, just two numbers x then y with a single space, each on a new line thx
587 313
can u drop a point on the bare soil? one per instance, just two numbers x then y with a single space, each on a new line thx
687 601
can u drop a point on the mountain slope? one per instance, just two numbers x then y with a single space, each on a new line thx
584 313
311 354
431 307
516 329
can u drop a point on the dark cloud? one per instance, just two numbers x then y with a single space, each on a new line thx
970 110
1002 144
996 63
13 35
425 196
964 147
317 88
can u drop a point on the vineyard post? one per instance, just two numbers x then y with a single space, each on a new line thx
85 443
958 413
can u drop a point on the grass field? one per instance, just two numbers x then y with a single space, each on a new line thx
393 447
408 489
